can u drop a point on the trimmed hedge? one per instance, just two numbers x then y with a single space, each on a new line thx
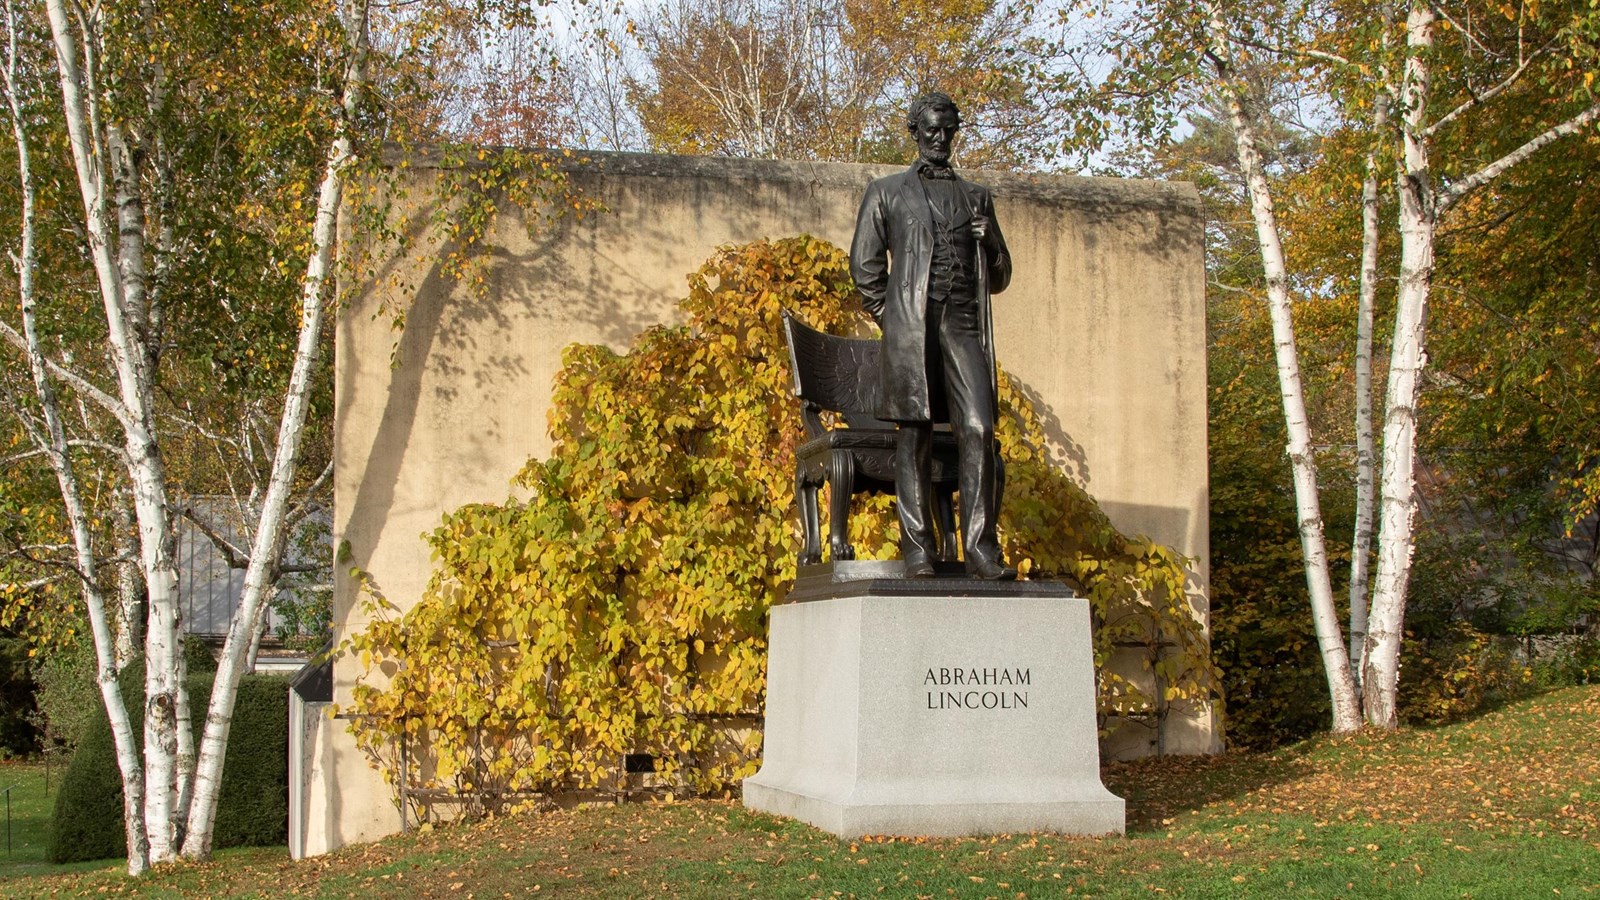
254 807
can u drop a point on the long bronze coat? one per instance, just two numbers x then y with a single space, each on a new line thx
890 260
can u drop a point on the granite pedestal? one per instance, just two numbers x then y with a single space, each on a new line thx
937 707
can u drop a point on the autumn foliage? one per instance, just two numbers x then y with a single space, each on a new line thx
621 608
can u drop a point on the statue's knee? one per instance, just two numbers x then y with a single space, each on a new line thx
974 433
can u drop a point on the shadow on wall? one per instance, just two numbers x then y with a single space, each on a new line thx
1166 524
602 276
1064 452
601 262
598 294
398 420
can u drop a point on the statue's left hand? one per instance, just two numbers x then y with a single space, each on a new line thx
980 226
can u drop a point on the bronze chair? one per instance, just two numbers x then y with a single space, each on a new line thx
842 376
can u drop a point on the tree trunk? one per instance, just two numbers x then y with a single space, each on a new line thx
184 760
163 650
169 744
1366 452
130 581
54 444
257 632
1325 616
1396 541
267 546
147 474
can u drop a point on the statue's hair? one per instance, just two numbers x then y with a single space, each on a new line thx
932 100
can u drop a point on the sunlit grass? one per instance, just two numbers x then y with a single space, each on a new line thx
1501 806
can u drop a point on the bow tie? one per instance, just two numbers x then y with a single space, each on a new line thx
944 173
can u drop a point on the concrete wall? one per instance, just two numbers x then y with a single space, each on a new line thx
1103 323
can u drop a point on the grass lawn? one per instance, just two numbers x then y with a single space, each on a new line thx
1505 805
32 799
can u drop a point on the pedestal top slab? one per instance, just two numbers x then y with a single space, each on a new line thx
886 578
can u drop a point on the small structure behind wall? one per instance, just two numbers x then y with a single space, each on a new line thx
310 720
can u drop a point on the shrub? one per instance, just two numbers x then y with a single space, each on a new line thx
197 657
253 809
87 822
67 696
1574 660
1457 672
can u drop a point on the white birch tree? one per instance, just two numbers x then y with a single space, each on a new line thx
122 168
50 436
1423 201
1366 304
100 156
266 550
1376 637
1156 72
1302 459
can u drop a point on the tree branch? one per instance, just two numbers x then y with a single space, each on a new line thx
24 551
78 382
1232 289
1307 52
1478 99
1466 33
235 558
309 504
1448 197
40 582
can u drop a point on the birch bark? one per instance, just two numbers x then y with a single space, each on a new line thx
54 443
1325 617
1421 206
1366 449
1380 676
91 150
267 545
130 582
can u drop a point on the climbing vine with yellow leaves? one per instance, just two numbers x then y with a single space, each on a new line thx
621 608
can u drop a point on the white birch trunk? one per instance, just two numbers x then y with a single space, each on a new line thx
1420 208
163 741
146 471
163 652
169 747
130 582
54 443
1324 615
267 546
129 203
184 757
258 630
1366 451
1396 544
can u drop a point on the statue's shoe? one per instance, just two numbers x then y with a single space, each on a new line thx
919 568
991 570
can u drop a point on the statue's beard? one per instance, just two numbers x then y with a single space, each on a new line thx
937 157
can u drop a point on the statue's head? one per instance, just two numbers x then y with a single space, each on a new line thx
934 120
